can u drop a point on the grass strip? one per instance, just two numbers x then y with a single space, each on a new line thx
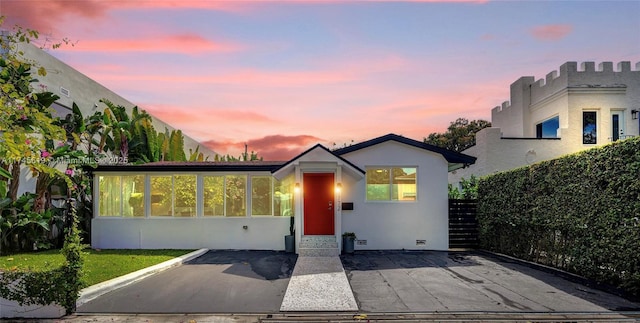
99 265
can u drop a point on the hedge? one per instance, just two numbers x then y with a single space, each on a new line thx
579 213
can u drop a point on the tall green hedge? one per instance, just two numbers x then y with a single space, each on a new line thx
579 213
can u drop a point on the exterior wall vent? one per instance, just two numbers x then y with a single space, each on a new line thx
361 242
64 91
421 242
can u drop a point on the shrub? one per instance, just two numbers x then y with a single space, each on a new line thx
579 213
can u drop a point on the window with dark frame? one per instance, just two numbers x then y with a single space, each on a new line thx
589 128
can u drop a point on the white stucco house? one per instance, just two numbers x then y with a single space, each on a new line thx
391 191
571 110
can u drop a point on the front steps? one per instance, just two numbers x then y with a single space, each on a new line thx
318 246
318 281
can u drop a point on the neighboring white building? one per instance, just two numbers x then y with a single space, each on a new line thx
73 86
391 191
569 111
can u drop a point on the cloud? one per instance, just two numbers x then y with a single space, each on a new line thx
187 43
273 147
46 15
551 32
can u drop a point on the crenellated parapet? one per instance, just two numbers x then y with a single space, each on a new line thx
570 74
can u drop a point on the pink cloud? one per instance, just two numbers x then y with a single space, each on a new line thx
203 116
551 32
182 43
46 16
274 147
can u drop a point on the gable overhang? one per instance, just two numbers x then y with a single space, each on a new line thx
455 160
319 154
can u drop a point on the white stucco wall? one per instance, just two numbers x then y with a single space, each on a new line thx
262 233
397 225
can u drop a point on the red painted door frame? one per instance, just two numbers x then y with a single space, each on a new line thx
319 200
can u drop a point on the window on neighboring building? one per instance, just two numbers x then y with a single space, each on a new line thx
548 128
589 127
391 183
121 195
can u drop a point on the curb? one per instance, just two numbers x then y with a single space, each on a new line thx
92 292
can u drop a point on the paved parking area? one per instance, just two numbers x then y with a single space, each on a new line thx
217 282
425 281
255 282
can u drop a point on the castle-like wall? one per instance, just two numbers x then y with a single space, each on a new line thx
515 117
565 93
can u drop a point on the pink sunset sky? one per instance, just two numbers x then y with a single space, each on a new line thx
283 76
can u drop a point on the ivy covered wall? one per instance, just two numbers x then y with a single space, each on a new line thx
579 213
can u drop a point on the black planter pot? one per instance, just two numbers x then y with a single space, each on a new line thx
290 243
348 244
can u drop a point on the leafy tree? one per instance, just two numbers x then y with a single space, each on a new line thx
460 135
468 189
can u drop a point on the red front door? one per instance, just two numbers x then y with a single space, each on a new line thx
318 203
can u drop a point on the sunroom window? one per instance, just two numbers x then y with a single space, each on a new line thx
121 195
271 197
391 184
261 195
225 195
283 196
173 195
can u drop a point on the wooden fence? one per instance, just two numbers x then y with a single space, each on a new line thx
463 224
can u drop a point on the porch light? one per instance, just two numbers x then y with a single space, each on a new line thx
296 188
634 114
338 188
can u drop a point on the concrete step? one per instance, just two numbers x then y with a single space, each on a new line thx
318 246
318 242
318 252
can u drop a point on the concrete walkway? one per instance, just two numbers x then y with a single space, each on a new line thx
319 284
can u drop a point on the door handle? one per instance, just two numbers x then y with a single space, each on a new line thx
330 205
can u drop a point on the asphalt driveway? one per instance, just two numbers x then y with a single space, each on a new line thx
382 282
426 281
217 282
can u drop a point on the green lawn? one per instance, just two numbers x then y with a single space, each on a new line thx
99 265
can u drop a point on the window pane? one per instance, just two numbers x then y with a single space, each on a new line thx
161 195
589 131
404 184
109 187
236 187
133 194
283 196
378 181
261 195
548 128
185 192
213 196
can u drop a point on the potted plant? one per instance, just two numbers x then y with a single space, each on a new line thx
290 240
348 242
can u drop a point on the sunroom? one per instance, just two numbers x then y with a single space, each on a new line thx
189 205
